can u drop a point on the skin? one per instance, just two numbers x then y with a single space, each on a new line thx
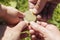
44 31
12 14
13 33
40 8
37 5
14 26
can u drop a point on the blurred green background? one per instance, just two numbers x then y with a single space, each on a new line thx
22 5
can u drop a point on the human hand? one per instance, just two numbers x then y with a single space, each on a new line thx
13 33
44 31
13 15
14 12
37 6
10 10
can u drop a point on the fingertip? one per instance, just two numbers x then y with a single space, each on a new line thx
39 18
38 22
44 24
35 26
33 37
31 31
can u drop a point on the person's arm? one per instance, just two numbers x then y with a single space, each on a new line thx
10 19
40 5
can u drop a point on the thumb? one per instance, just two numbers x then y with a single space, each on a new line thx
14 12
20 26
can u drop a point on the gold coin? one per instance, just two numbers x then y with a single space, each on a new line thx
29 16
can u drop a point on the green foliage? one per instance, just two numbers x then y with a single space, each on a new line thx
56 16
21 5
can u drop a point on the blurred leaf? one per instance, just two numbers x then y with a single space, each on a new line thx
13 3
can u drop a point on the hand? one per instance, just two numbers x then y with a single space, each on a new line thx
37 6
12 14
10 10
13 33
44 31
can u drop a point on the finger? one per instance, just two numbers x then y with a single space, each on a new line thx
14 12
21 25
36 27
38 22
33 1
20 14
39 18
49 27
52 28
29 27
31 5
31 31
2 9
39 28
44 24
33 37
